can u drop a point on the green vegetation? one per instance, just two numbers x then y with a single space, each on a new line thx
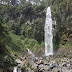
5 56
21 27
62 11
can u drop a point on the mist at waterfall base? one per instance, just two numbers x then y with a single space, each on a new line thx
48 33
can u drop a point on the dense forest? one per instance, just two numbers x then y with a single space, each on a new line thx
22 26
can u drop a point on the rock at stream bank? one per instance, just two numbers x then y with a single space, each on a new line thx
52 63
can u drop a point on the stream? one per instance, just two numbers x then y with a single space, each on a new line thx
16 69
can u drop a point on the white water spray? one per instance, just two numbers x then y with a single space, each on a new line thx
48 33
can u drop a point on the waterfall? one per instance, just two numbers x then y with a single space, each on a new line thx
48 33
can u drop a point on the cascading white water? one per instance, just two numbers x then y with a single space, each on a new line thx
15 69
48 33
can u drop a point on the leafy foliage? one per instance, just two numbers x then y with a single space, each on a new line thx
62 11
